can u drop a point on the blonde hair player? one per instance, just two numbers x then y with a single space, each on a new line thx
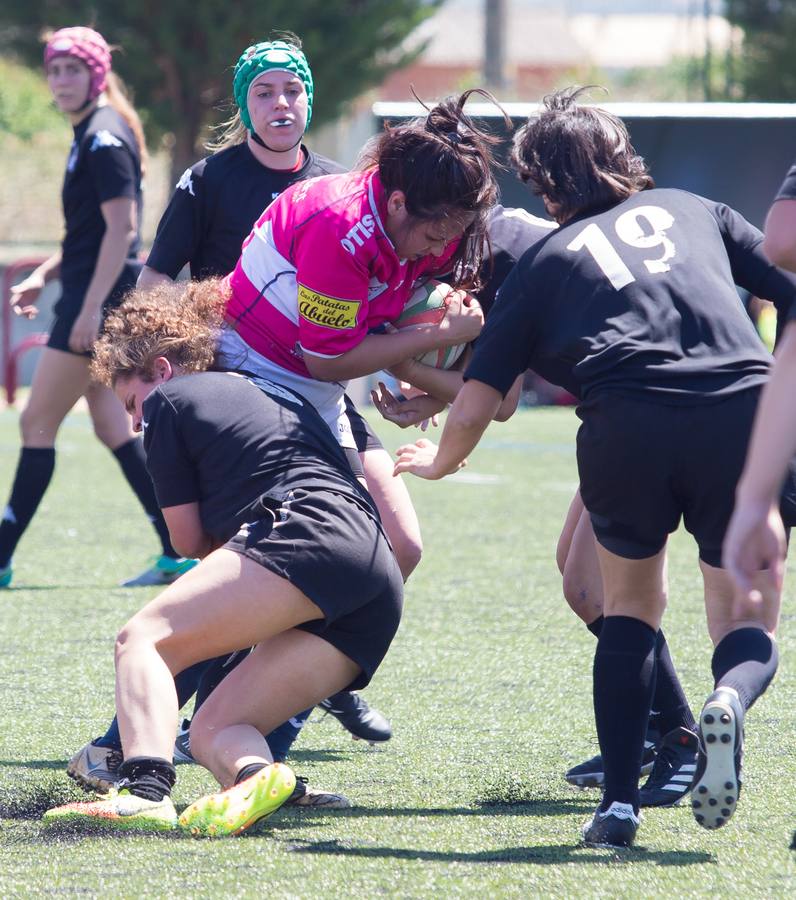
97 264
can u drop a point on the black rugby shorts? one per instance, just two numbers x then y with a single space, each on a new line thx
335 552
645 465
364 436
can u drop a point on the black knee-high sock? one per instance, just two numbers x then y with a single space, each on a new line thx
148 776
669 700
596 626
132 459
746 659
34 472
669 703
214 672
248 771
624 681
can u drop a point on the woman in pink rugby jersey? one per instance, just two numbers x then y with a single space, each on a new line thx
334 259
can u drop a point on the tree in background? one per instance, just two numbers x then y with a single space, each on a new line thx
178 55
764 68
26 107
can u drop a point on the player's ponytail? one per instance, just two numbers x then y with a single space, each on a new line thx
579 157
442 163
179 321
118 97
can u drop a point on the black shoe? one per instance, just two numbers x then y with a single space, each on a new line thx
717 782
304 795
354 714
793 842
673 772
591 774
613 827
95 767
182 744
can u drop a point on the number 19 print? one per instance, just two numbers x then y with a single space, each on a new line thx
629 230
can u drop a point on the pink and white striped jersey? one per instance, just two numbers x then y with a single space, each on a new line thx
318 271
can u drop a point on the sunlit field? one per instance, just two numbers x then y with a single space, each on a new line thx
488 687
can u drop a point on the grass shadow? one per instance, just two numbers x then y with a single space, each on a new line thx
38 834
292 817
543 854
29 799
88 586
540 806
306 756
34 763
18 588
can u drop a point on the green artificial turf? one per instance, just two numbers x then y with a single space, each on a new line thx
488 687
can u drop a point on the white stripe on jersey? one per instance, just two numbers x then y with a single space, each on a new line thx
259 261
374 208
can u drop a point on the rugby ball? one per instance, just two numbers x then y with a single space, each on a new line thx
427 306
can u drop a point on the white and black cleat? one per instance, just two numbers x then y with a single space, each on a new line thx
182 744
613 828
588 774
717 781
591 774
355 715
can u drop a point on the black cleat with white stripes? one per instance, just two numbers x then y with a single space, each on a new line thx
673 771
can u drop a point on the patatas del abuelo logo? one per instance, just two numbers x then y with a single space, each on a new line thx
328 312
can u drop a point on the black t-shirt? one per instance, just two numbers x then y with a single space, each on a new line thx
225 441
637 300
511 233
214 206
788 189
787 192
103 164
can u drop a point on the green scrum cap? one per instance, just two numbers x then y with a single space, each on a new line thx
259 58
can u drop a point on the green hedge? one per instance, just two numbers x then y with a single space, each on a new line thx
26 108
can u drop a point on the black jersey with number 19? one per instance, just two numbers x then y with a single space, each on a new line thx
638 300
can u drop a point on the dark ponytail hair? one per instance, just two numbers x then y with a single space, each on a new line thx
579 157
443 165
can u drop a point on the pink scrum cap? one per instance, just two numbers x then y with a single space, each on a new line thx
89 47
